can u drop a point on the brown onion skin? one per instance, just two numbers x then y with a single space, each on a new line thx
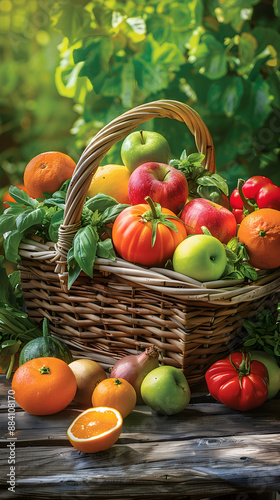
135 367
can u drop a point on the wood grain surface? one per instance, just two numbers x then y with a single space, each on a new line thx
207 450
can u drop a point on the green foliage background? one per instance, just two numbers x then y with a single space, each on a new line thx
70 67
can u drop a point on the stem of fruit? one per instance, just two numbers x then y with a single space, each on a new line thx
142 138
245 201
151 204
44 370
46 331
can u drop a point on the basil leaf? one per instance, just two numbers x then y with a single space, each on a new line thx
100 202
111 213
7 223
22 197
55 223
85 244
73 268
29 218
106 250
11 244
214 180
249 271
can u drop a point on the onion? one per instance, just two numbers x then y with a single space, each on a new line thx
134 368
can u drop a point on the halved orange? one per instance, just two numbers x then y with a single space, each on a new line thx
95 429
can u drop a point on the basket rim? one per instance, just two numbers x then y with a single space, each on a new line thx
161 280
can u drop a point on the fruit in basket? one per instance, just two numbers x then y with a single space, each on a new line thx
88 374
116 393
46 173
164 184
238 382
135 367
147 234
258 190
143 146
166 390
7 197
96 429
219 220
201 257
273 371
260 233
47 345
43 386
111 180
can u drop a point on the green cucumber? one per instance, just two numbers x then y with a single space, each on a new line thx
45 346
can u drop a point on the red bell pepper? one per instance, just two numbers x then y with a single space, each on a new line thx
238 382
252 186
269 197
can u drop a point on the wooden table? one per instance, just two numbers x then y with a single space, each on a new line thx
207 450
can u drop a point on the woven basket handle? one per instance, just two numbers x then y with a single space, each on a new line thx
91 157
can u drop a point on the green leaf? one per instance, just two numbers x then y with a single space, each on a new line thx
100 202
214 180
55 223
29 218
110 213
22 197
11 244
127 84
84 244
73 268
225 95
96 54
105 249
208 57
7 223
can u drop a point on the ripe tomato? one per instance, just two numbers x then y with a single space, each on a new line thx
269 197
143 236
253 185
235 200
238 382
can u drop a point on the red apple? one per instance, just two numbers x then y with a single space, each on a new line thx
164 184
219 220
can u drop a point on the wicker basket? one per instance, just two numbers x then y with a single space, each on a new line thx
124 307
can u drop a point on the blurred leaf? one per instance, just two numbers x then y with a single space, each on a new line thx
209 58
225 95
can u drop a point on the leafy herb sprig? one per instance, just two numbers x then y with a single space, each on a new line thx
263 333
43 218
201 183
15 327
238 266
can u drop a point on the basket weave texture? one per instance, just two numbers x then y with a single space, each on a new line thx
125 308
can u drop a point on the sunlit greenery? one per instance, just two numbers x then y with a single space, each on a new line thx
69 67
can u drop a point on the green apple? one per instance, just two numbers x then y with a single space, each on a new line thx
142 146
201 257
273 371
166 390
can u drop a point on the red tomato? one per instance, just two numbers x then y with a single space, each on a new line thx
235 200
252 186
238 214
269 197
238 382
133 230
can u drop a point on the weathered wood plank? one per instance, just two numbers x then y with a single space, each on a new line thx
187 467
208 449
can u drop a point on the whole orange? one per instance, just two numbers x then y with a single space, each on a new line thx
96 429
116 393
260 233
8 197
111 180
46 172
44 386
